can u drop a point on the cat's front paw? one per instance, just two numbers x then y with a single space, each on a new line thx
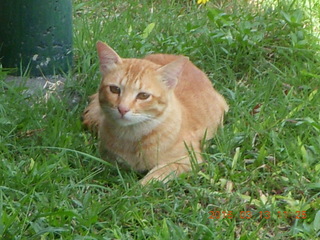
165 172
157 177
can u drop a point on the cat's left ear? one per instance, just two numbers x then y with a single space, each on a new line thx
107 56
172 71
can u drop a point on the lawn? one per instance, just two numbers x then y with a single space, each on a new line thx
261 179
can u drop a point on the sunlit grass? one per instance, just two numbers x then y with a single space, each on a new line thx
262 176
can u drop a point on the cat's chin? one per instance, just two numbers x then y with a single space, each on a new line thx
127 121
124 122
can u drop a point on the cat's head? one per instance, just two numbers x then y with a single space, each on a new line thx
133 91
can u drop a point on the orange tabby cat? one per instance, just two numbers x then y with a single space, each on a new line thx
149 111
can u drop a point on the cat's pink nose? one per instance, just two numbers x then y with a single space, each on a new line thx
123 110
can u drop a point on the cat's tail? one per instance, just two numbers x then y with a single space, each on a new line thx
91 116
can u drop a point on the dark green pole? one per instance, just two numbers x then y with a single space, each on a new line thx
36 36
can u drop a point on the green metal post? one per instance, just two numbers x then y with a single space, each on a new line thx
36 36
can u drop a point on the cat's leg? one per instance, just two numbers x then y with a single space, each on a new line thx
92 114
166 172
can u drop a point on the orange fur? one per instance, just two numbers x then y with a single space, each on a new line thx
151 134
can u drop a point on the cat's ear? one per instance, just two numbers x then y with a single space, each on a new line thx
107 56
172 71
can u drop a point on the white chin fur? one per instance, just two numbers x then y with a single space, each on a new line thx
145 123
124 121
128 119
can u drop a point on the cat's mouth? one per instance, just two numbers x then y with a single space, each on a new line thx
126 119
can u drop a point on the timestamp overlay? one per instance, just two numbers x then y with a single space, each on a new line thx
225 214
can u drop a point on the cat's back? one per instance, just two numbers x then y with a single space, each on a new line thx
191 74
203 104
192 78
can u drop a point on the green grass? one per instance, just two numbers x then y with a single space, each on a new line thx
263 56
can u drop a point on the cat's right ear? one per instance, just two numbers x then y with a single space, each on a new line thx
107 56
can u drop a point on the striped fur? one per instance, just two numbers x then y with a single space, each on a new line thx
152 134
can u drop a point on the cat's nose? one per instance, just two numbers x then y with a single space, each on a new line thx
123 110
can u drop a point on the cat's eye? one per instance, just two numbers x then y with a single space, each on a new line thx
114 89
143 96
